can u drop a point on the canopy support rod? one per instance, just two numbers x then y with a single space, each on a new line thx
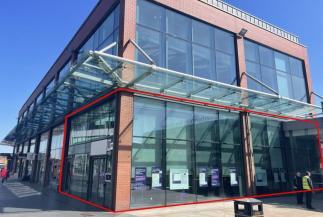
261 83
151 61
109 47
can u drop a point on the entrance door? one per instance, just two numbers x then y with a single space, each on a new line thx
97 185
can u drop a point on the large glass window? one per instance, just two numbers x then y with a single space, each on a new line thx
147 153
55 156
179 154
203 62
178 55
184 154
279 71
150 41
41 164
89 164
186 45
270 168
103 36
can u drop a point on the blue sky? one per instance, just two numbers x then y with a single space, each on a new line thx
33 34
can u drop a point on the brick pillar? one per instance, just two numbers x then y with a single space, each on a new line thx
123 151
245 121
124 120
311 97
248 154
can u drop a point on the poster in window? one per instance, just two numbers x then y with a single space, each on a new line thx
282 175
215 177
140 177
203 177
178 179
156 177
233 176
276 175
261 177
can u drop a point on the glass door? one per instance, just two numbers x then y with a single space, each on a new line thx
97 183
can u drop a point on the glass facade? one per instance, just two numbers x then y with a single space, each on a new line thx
186 45
183 153
55 156
303 151
106 33
269 155
31 161
89 161
41 161
281 72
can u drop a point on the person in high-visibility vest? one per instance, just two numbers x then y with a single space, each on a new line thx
308 185
298 186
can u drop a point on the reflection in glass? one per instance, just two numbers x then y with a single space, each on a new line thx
178 55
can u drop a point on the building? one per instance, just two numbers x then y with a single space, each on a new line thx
154 103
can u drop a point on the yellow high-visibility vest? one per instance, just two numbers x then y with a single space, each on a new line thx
306 186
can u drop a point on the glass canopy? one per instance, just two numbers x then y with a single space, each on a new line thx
100 72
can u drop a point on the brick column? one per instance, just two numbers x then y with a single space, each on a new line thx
124 120
311 97
123 151
245 121
248 154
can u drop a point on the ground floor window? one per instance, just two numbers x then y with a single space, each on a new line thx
183 153
89 162
271 174
55 156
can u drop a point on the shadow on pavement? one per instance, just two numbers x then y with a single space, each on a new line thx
290 202
18 197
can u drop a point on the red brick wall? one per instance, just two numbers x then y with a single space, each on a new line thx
123 163
124 145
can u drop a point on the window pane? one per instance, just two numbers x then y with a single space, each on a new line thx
147 153
203 62
251 51
179 160
266 56
202 33
253 69
150 42
106 29
224 41
299 89
268 77
178 25
150 14
225 68
282 62
178 55
148 117
284 84
296 67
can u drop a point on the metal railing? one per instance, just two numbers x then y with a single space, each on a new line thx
223 6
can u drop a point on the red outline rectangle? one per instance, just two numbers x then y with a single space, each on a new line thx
162 96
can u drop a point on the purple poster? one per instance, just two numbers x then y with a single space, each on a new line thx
215 177
140 177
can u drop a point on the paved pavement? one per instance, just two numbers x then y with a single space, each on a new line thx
19 199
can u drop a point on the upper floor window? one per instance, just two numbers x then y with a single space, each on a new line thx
281 72
183 44
105 34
